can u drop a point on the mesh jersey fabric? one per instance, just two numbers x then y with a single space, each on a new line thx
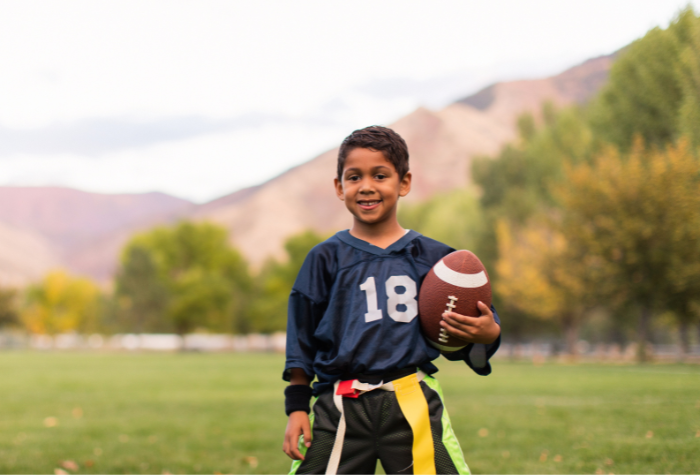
353 309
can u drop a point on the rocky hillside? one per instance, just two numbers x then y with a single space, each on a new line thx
441 143
41 228
47 227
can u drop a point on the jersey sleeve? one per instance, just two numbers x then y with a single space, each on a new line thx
307 304
477 355
303 314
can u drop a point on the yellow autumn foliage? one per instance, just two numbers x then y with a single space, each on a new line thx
61 303
524 280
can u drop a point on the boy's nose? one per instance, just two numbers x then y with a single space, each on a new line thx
366 186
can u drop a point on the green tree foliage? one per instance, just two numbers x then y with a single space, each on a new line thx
639 213
275 281
653 88
141 295
9 307
181 278
453 218
61 303
516 183
689 74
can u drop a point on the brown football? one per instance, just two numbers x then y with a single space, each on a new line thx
457 282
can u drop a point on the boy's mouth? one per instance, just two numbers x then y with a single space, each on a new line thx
369 204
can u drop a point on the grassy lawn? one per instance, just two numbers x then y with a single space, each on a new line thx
196 413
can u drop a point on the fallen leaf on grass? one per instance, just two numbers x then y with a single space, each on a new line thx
483 432
543 456
77 412
557 458
505 454
59 471
89 463
51 422
70 465
600 471
608 462
650 434
697 434
252 461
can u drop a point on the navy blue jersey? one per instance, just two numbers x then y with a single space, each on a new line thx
354 309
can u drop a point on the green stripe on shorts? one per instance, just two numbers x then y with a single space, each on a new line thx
302 447
448 436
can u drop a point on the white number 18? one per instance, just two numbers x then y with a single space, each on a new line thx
407 299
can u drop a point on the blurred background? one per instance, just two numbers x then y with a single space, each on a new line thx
166 166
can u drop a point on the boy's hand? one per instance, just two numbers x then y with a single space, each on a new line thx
298 424
483 329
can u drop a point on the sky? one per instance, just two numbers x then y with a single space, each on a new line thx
198 99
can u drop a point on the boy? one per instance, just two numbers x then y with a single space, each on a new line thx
352 324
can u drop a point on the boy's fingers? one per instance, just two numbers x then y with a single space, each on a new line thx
307 433
291 446
485 310
455 318
456 332
294 452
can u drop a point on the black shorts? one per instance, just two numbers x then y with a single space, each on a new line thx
376 429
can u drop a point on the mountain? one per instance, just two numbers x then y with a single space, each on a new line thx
80 231
24 256
441 145
45 227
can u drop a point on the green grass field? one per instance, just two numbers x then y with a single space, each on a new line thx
201 413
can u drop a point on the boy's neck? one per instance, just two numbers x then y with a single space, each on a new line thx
381 235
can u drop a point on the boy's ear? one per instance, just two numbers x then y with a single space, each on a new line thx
405 185
339 189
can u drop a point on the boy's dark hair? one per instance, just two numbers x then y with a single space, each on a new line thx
381 139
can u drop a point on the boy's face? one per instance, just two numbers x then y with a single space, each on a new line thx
371 186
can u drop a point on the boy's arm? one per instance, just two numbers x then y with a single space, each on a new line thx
298 423
483 333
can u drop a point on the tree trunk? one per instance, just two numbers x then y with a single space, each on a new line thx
684 334
571 335
643 355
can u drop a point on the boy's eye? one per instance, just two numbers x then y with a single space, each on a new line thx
353 178
381 176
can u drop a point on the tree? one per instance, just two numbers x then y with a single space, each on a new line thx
689 77
184 277
541 275
9 313
454 218
61 303
275 281
639 212
141 296
516 184
652 90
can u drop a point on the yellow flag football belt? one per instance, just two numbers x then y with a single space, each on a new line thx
413 406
